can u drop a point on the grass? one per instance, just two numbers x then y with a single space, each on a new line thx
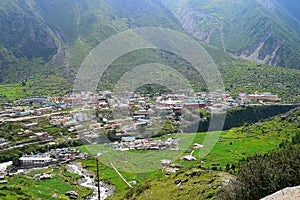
245 141
231 147
195 183
109 175
25 187
13 91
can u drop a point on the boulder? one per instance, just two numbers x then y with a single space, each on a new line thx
290 193
72 194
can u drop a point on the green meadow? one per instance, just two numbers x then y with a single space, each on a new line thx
26 187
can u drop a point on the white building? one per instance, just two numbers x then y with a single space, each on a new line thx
35 160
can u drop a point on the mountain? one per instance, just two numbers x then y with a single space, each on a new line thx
61 32
264 31
43 42
24 41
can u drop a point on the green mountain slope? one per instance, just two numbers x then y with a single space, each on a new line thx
65 31
47 61
26 43
262 30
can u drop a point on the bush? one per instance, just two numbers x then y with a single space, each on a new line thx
262 175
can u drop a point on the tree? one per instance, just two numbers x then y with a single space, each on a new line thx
16 161
262 175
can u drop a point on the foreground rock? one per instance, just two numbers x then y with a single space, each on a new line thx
290 193
72 194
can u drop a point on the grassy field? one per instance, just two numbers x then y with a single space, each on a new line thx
194 183
109 175
231 147
245 141
26 187
14 91
198 182
47 85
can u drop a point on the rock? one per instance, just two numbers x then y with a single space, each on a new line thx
133 182
290 193
45 176
177 182
72 194
192 174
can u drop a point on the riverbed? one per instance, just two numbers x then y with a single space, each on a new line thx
88 182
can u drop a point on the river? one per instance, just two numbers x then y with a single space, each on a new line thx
88 182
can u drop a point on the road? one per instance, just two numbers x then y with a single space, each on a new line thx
26 144
120 175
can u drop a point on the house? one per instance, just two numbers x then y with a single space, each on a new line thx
81 117
4 166
128 139
31 125
95 126
37 100
194 105
137 117
4 145
43 110
198 146
171 170
41 135
258 96
35 160
188 158
165 163
177 109
70 123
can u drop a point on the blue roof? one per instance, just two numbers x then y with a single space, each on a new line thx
128 139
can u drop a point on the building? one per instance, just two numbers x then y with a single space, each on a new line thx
36 100
81 117
128 139
31 125
188 158
35 160
194 105
41 135
166 163
258 97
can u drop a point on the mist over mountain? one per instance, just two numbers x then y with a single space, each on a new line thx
291 7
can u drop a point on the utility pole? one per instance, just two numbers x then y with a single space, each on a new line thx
98 178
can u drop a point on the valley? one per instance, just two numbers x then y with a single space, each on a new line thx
173 136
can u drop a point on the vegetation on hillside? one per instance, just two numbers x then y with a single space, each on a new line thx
193 183
262 175
263 154
250 77
29 186
86 24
